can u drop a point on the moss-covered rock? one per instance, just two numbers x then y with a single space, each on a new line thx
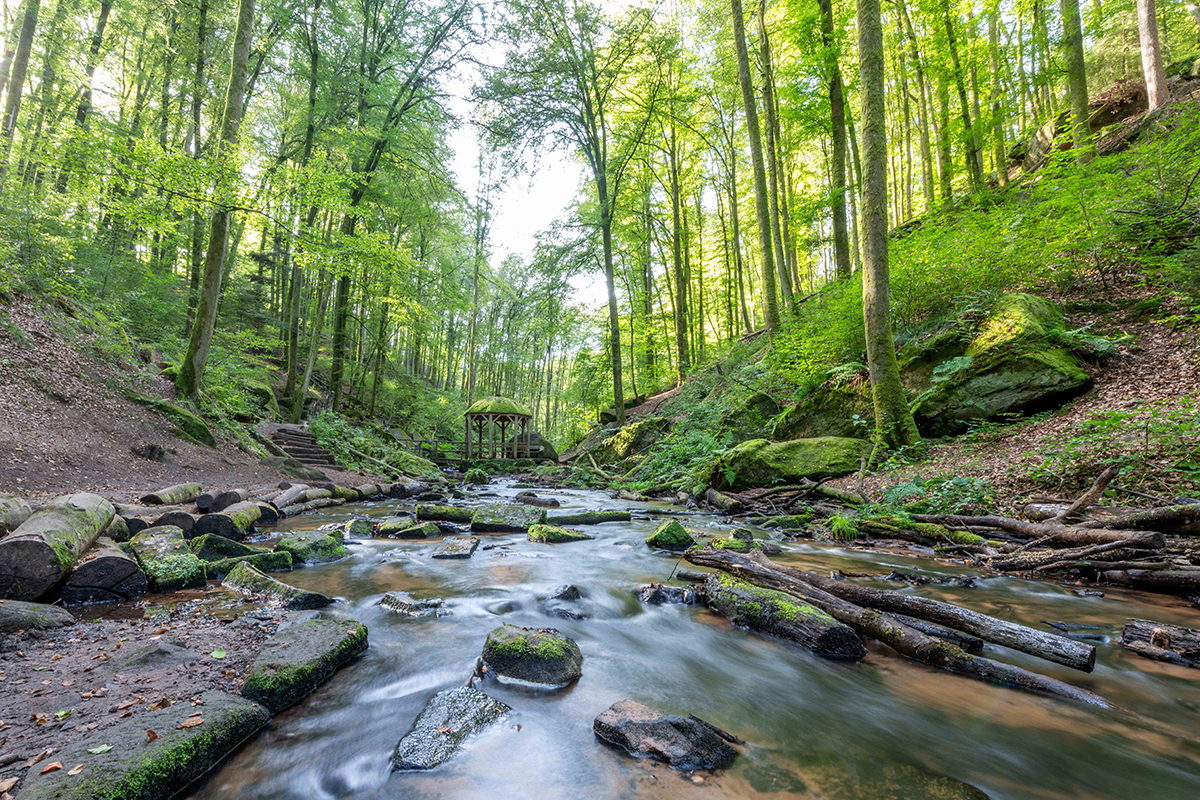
358 529
312 547
588 517
264 396
549 534
670 535
138 767
299 658
543 656
432 513
18 615
789 522
405 528
634 438
188 426
759 462
498 405
275 561
752 419
211 547
245 579
506 519
165 557
833 409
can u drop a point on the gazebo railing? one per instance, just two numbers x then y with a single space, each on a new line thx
446 451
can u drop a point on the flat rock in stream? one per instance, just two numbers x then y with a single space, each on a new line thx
683 742
312 547
299 658
506 519
541 656
245 579
189 740
406 604
657 594
450 718
405 528
432 513
456 547
19 615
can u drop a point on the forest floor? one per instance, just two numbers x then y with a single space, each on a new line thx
66 425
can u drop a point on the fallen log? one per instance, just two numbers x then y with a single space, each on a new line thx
1165 581
226 499
367 491
232 523
1062 534
1087 498
337 490
117 530
1173 644
730 505
782 615
44 548
1182 519
1018 562
105 575
970 644
165 557
268 514
311 505
172 495
249 581
588 518
759 570
290 495
13 511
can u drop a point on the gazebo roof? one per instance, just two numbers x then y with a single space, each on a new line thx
498 405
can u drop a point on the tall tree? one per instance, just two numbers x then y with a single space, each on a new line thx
1081 128
1157 90
837 137
894 426
191 370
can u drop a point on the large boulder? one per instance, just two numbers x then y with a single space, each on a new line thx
1011 365
753 419
841 408
535 439
299 658
634 438
543 656
264 396
759 462
609 415
670 535
450 718
683 742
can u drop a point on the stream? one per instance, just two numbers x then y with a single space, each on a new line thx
882 728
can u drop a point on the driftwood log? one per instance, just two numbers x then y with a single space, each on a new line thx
757 569
173 495
1166 581
728 504
311 505
290 496
44 548
1064 535
13 511
227 498
105 575
1162 642
234 522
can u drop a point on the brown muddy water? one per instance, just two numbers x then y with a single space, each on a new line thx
882 728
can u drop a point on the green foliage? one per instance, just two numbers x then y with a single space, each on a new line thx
842 528
341 437
940 495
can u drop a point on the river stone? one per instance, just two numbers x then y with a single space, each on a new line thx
450 718
738 545
299 658
211 547
541 656
406 604
567 592
670 535
247 580
274 561
549 534
403 528
19 615
657 594
456 547
758 462
683 742
166 559
431 513
506 519
358 529
588 518
140 768
312 547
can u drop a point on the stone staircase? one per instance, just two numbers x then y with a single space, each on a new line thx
300 445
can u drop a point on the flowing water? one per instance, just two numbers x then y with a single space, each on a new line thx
882 728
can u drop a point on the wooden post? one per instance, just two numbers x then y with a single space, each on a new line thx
467 445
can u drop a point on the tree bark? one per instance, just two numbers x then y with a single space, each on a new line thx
44 548
1081 128
1157 90
13 511
772 156
837 158
172 495
1173 644
16 84
234 522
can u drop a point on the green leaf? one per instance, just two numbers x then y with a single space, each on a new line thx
98 749
217 654
62 713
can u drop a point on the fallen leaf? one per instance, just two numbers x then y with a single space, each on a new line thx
8 783
78 768
126 704
100 748
68 683
51 767
36 759
217 654
62 713
163 703
150 736
191 722
443 729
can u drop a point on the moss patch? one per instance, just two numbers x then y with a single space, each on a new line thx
670 535
549 534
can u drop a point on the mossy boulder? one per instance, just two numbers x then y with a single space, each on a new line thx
542 656
833 409
18 615
634 438
211 547
358 529
138 767
405 528
299 658
165 557
312 547
264 396
274 561
752 419
245 579
549 534
759 462
188 426
431 513
506 519
670 535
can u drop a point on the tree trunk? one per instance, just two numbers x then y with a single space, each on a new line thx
761 204
191 371
1081 128
16 84
1157 90
970 143
999 150
105 575
837 158
173 495
772 156
44 548
614 319
314 345
234 522
894 426
680 294
13 511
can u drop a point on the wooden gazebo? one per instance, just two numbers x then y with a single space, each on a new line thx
490 422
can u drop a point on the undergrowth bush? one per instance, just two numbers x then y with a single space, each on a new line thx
342 438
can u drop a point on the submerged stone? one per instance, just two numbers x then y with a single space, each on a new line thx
657 594
670 535
506 519
683 742
406 604
299 658
456 547
549 534
446 723
404 528
539 656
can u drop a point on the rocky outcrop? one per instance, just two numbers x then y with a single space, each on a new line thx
446 723
634 438
833 409
535 440
683 742
759 462
752 419
299 658
540 656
